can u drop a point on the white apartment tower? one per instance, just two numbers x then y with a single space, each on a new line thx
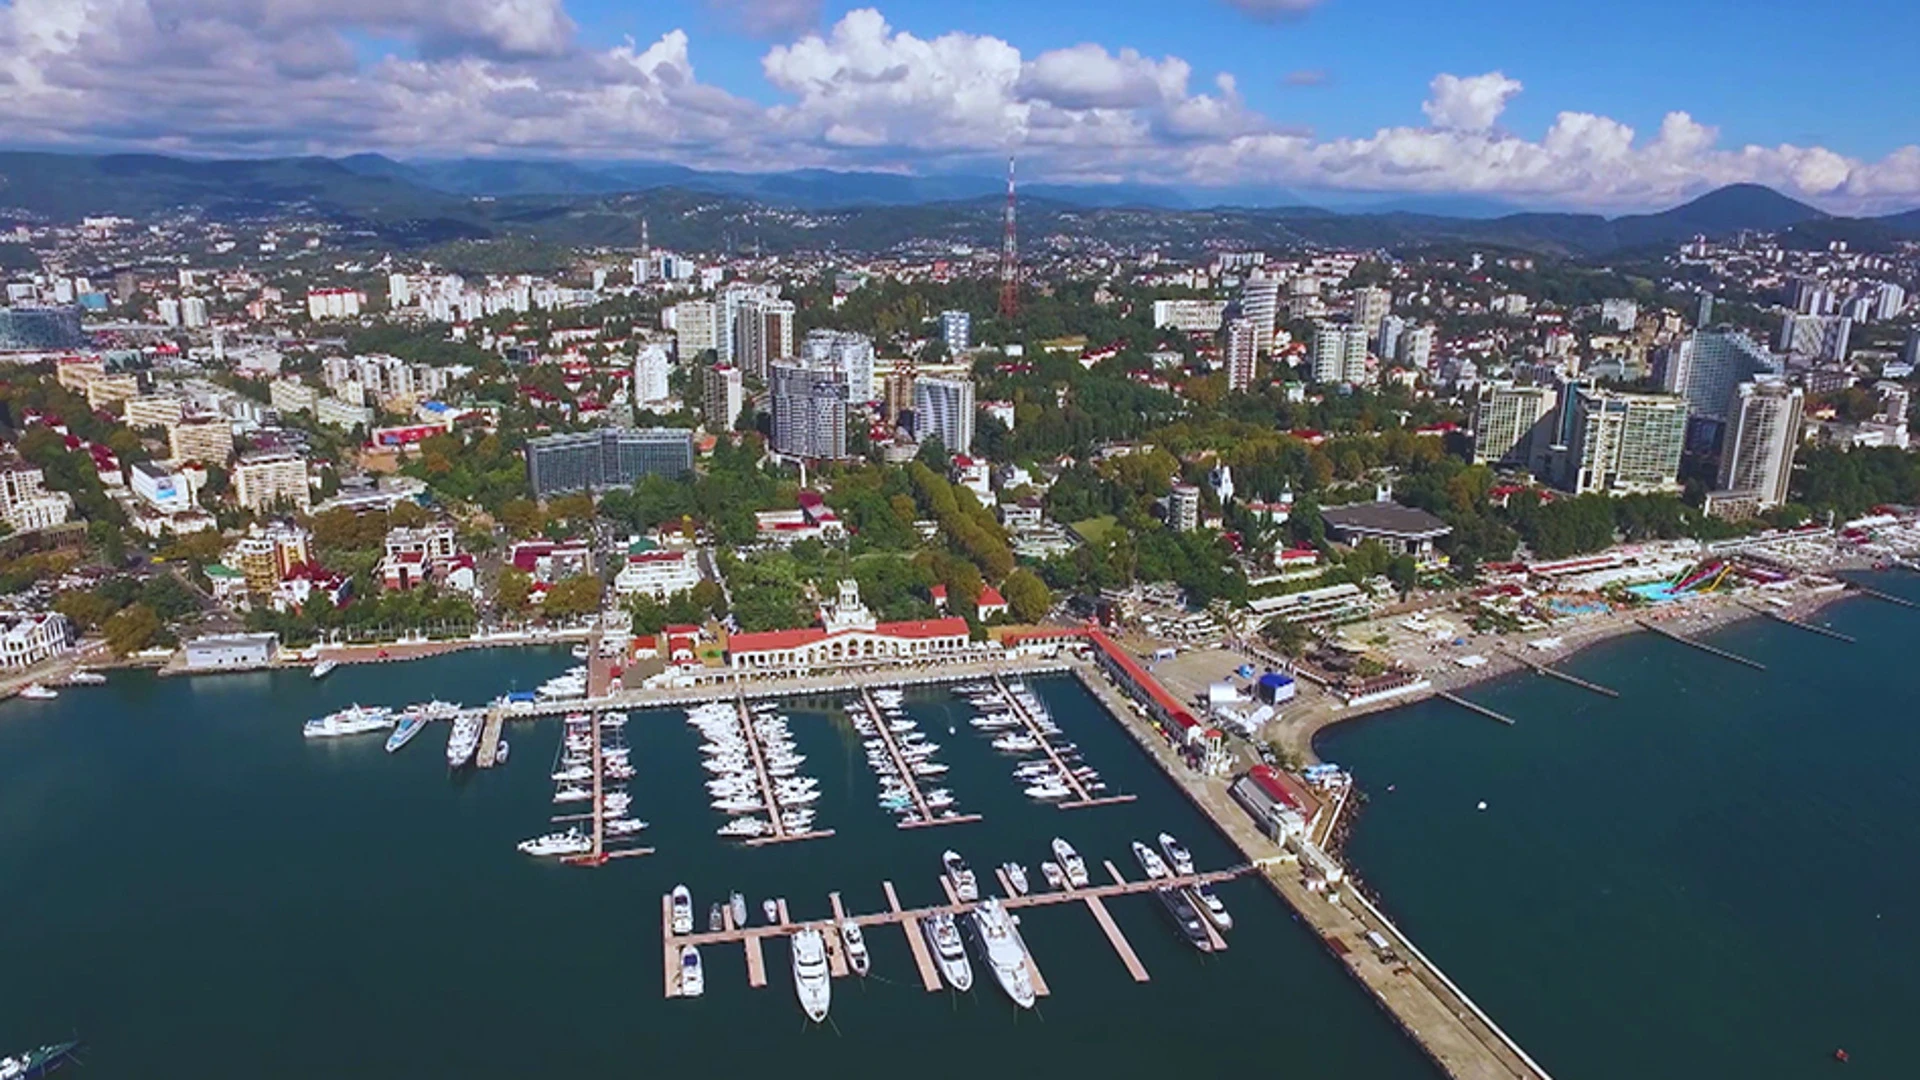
944 409
725 397
1763 429
1242 353
1340 353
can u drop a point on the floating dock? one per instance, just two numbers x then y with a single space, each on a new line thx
1574 680
909 920
1701 645
1823 631
781 834
1472 706
598 854
483 758
923 813
1082 797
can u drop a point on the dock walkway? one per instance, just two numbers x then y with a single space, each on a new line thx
1701 645
923 814
1081 796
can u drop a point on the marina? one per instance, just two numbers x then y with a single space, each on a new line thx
913 920
905 777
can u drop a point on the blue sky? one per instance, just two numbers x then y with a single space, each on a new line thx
1610 107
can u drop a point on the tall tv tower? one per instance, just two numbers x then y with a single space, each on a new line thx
1010 258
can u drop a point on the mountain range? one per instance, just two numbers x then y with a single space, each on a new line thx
601 203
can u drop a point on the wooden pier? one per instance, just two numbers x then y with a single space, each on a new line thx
1574 680
781 834
923 813
929 975
598 854
483 758
1082 797
1471 706
910 920
1701 645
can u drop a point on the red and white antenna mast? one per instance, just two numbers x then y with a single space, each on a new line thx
1010 258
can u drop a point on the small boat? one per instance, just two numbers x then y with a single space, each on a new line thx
353 720
1177 854
581 652
1211 906
500 752
29 1064
1071 863
1017 877
738 905
856 945
571 842
1185 918
404 732
463 740
1054 876
324 668
948 951
1150 860
714 917
965 886
693 978
771 909
622 826
812 982
86 678
682 910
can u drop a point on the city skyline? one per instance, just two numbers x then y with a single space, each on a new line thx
1342 98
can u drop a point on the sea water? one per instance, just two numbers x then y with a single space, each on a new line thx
197 891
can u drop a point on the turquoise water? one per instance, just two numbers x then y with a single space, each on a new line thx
198 891
1714 875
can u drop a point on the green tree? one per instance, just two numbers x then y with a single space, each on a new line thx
131 629
1027 596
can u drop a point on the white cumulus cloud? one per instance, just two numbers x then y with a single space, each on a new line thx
1471 103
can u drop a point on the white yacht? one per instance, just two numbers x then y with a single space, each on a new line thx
693 979
1071 864
745 826
965 885
682 922
86 678
571 842
1150 860
993 929
572 793
1048 790
352 720
324 668
464 740
856 944
621 826
1017 876
1211 906
811 980
1177 854
948 951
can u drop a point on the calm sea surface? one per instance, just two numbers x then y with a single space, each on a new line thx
1717 875
199 892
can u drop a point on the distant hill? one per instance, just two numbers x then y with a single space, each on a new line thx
602 202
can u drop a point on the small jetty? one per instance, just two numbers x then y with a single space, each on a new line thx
1082 797
1474 706
599 854
489 751
1572 680
1823 631
923 815
781 834
909 920
1701 645
1878 595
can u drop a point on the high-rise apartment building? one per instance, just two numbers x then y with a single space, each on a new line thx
695 328
1619 314
725 395
205 439
1340 353
809 411
1370 305
1260 302
607 458
650 371
1183 507
898 394
1416 348
1706 365
762 333
944 409
1189 316
1623 443
1763 430
849 353
1512 425
1815 337
1242 353
265 480
956 330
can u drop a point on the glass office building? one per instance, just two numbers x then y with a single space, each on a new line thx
608 458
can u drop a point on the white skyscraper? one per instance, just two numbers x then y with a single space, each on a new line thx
1763 429
1815 337
1370 305
843 351
956 330
1624 443
809 411
1260 303
1340 353
193 312
762 333
399 291
1706 365
944 409
1512 424
696 328
1242 353
1416 348
650 370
